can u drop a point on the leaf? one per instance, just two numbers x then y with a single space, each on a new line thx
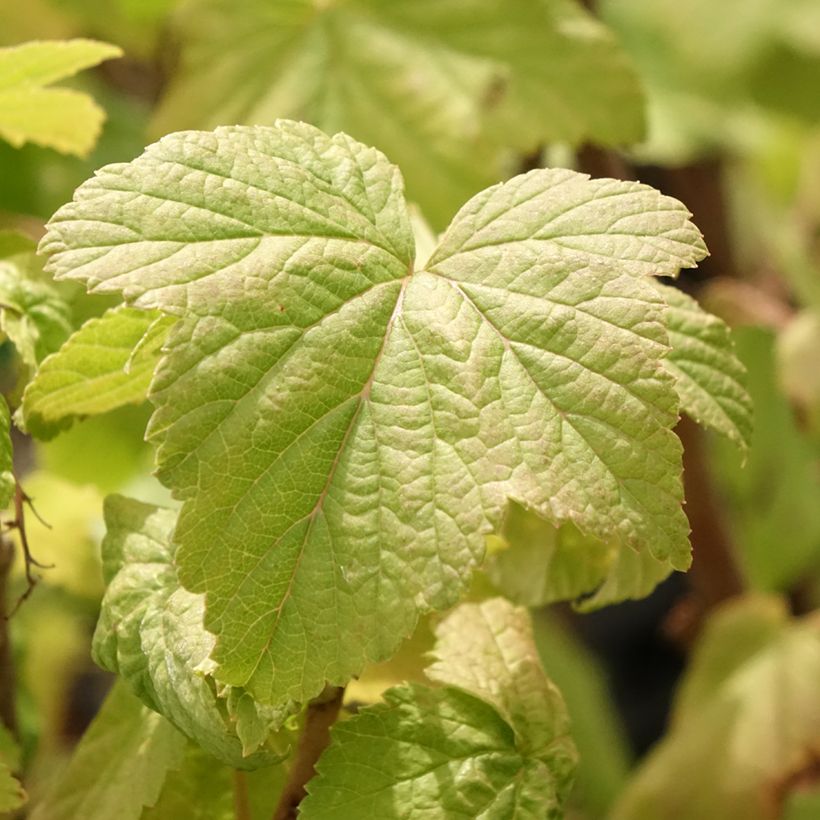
7 480
445 87
107 363
33 315
492 743
60 118
710 380
150 632
487 649
603 751
343 430
118 767
746 722
535 563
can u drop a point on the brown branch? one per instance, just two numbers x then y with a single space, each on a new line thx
8 710
21 499
241 800
321 715
716 575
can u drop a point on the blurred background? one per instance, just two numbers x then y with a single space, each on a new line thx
716 104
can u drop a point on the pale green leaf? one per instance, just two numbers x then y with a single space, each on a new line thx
444 87
59 118
487 649
710 380
493 742
604 758
536 563
118 767
344 430
746 723
33 315
108 362
150 632
7 480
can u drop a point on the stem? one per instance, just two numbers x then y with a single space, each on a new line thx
716 575
8 711
241 800
321 715
21 498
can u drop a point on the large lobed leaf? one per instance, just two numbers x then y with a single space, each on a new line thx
445 87
493 742
344 430
32 111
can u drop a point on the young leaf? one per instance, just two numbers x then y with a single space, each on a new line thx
33 315
710 380
118 767
150 632
59 118
343 430
444 87
7 481
493 742
108 362
753 663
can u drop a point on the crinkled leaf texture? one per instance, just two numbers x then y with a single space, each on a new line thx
150 632
710 380
107 363
493 742
118 767
746 726
31 111
445 87
536 563
344 430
